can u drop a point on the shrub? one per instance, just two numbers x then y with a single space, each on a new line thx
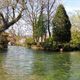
49 44
29 42
75 42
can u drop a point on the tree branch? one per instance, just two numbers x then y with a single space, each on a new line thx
3 19
15 19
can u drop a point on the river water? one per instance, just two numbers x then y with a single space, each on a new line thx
19 63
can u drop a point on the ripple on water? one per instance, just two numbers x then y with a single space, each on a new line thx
20 63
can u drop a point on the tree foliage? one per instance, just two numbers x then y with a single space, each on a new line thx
41 26
61 25
34 8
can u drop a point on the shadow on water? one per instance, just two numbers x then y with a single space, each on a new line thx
4 51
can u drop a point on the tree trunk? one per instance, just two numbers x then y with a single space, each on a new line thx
49 28
48 14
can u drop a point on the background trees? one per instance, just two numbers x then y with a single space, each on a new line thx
41 26
61 26
38 14
33 10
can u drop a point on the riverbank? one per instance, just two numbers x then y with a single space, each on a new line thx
55 48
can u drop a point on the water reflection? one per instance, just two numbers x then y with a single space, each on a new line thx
19 63
75 66
2 71
52 66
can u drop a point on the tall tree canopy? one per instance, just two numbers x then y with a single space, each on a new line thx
61 25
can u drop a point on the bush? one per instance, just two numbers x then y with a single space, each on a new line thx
29 42
75 46
48 44
75 42
67 47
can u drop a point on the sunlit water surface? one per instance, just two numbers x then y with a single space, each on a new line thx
19 63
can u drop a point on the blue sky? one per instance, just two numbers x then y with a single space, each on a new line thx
71 5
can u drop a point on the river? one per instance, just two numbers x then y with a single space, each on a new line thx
20 63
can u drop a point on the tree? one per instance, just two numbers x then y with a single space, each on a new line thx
40 26
61 25
50 10
75 20
8 11
33 11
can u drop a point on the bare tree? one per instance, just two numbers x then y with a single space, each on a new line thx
50 6
33 11
33 8
10 13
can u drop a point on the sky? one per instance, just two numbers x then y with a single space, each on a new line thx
71 5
